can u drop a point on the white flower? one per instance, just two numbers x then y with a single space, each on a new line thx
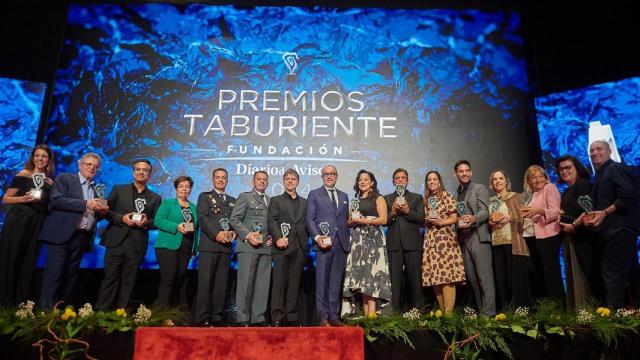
584 317
470 313
626 312
25 310
413 314
86 310
522 311
142 315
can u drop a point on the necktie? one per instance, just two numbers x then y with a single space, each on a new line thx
333 198
264 200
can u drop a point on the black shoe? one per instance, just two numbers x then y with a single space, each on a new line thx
204 323
242 324
277 323
218 323
258 324
336 323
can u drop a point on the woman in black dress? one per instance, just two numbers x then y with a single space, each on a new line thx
367 271
582 266
19 246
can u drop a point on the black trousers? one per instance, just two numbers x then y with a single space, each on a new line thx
173 265
503 274
406 265
547 276
589 258
61 268
285 285
213 276
121 264
618 254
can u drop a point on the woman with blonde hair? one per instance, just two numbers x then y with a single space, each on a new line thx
511 260
541 210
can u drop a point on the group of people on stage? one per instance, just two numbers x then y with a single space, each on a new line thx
505 246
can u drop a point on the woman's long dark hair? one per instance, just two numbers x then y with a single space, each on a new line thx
374 184
581 170
51 165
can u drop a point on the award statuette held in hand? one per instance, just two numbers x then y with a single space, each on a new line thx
188 219
224 224
400 200
325 230
99 191
286 229
38 182
139 203
354 206
460 206
526 198
495 215
586 204
433 205
256 228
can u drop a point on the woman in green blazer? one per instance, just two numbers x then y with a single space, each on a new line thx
175 244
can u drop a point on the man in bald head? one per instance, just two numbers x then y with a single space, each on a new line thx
615 204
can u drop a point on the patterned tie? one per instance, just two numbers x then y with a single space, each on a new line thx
333 198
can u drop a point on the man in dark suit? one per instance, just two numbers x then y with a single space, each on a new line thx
249 221
616 213
214 211
68 229
287 224
328 209
127 236
404 243
475 239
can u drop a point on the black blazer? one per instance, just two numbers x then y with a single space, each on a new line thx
211 208
120 203
404 230
281 211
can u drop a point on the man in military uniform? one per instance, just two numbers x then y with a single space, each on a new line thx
249 220
214 211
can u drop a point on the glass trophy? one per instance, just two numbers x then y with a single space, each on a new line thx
99 191
224 224
433 205
286 229
495 216
256 228
139 204
354 206
586 204
38 183
188 220
325 230
400 200
461 207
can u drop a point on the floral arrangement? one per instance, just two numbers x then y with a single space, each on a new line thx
59 333
466 333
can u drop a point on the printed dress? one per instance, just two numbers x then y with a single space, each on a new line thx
367 269
442 259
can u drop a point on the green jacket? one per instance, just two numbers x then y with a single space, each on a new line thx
168 217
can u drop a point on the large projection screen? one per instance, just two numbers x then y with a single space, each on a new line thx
195 87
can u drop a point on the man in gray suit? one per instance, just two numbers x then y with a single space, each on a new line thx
473 233
249 221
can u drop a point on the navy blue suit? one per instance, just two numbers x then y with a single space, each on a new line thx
330 263
64 242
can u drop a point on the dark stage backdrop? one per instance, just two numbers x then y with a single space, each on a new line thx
20 110
197 87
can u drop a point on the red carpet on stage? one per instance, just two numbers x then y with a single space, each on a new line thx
318 343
